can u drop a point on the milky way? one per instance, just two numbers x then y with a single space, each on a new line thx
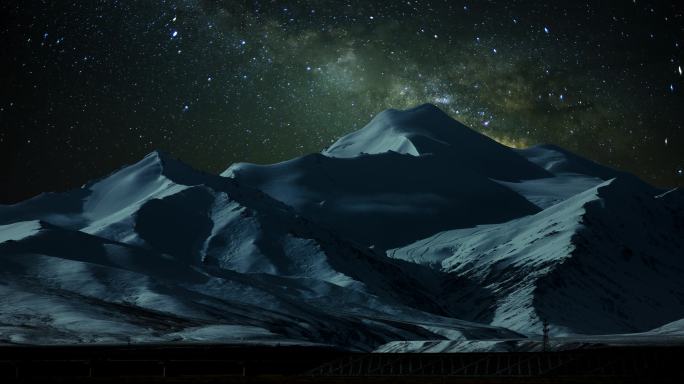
88 86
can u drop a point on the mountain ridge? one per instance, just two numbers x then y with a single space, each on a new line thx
427 129
398 236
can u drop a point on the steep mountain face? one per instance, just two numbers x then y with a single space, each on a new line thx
572 174
608 260
385 200
406 175
427 130
412 234
558 161
157 251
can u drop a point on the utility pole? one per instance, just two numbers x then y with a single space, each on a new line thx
546 336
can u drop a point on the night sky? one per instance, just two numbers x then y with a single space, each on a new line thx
88 86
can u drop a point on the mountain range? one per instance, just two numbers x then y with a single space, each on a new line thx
414 233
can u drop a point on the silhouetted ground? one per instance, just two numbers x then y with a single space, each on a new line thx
290 364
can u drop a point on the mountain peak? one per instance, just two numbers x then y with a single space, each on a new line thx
421 113
414 131
163 159
159 246
172 168
427 130
159 155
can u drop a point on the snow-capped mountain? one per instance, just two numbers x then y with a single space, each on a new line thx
404 176
608 260
184 255
413 232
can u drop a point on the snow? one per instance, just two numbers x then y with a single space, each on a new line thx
673 329
390 199
19 230
447 346
559 161
428 130
224 333
185 262
550 191
570 253
413 234
572 174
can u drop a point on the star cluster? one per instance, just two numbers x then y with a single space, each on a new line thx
90 85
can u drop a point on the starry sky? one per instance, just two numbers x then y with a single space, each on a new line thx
88 86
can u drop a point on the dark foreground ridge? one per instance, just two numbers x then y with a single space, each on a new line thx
241 364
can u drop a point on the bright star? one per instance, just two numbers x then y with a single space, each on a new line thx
174 33
546 30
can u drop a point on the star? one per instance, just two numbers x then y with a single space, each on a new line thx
259 65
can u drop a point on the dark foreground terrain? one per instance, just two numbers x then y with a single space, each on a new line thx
257 364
